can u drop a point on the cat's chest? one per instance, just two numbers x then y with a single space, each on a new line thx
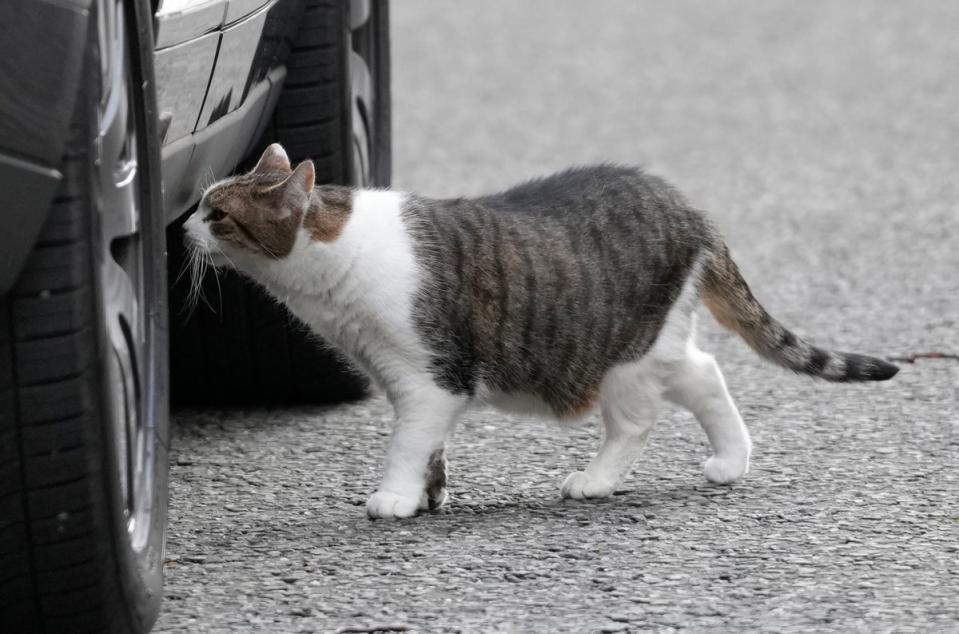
330 315
316 312
361 313
361 287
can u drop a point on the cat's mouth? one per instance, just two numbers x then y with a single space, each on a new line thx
205 250
203 254
219 260
211 254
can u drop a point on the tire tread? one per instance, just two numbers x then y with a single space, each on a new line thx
55 575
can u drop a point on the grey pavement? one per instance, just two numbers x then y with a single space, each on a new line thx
823 137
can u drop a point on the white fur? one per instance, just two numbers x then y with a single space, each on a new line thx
632 395
357 292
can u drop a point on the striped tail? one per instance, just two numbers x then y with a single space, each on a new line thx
728 297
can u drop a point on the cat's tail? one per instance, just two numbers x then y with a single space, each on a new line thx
728 297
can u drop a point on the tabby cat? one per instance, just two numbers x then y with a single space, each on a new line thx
556 297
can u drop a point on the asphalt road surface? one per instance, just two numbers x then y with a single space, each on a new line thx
824 139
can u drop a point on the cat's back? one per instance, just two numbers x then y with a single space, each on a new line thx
591 213
575 194
582 212
548 284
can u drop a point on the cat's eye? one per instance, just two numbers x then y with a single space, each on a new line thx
216 215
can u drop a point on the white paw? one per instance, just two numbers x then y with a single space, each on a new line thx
387 505
725 470
579 485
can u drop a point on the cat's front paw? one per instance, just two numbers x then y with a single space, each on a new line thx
388 505
580 485
725 470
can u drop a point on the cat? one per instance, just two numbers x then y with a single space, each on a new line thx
557 297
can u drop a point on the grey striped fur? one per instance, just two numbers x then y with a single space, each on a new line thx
542 288
728 297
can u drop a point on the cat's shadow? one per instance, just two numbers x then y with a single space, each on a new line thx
641 499
637 506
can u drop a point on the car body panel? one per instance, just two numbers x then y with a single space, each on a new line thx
27 188
240 8
238 46
183 75
218 68
196 160
179 21
38 86
241 95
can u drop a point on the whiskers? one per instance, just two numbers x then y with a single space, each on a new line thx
199 260
209 179
197 263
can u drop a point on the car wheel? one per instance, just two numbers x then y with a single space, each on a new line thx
83 365
243 348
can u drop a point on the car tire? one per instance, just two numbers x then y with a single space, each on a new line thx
242 348
83 387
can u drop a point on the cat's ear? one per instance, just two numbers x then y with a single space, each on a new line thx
274 159
304 176
298 186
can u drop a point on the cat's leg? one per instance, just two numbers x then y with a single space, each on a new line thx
434 496
697 384
415 465
630 400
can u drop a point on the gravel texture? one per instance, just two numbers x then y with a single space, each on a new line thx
824 139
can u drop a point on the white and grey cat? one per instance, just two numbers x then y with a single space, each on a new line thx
557 297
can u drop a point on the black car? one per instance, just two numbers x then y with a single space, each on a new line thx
114 114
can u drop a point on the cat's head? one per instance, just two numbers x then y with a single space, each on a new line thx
254 215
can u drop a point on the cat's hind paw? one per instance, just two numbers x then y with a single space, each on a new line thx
725 470
387 505
579 485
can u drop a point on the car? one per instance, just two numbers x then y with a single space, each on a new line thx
114 115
